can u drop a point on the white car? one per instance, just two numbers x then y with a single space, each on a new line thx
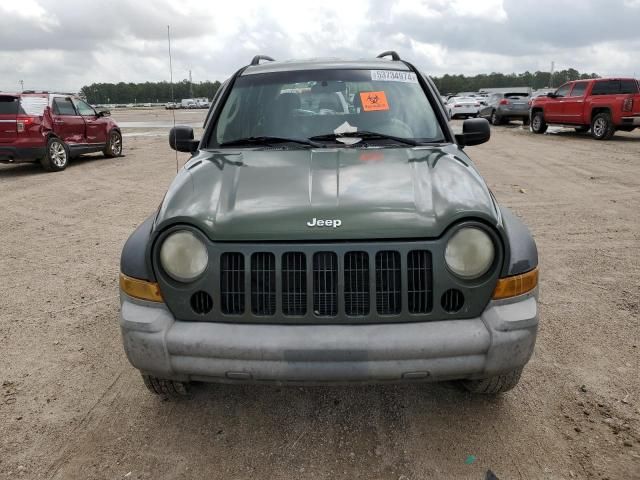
462 107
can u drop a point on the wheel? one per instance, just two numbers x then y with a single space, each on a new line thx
114 145
166 388
525 121
56 156
602 127
538 125
493 385
495 118
583 129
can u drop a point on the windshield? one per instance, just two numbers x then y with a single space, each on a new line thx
311 103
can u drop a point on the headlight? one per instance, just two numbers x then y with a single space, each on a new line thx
183 256
469 253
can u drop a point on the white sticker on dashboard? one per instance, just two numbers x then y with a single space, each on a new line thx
393 76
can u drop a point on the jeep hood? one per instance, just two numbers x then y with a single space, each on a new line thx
262 195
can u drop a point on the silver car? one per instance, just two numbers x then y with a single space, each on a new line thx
503 107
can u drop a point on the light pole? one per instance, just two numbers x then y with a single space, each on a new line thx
21 85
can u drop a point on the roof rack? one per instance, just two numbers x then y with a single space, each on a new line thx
256 60
390 53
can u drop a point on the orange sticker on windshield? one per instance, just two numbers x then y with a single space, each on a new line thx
374 101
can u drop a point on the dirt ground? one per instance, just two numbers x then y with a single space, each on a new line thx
71 407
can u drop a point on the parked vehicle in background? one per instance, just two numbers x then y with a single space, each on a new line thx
188 103
603 105
462 107
504 107
542 92
202 102
171 106
52 128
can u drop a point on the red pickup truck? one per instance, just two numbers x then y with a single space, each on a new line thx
51 128
603 105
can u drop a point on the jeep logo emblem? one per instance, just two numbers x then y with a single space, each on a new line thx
316 222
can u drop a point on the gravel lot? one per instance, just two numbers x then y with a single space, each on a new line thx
71 407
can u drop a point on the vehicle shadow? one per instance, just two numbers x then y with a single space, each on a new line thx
15 170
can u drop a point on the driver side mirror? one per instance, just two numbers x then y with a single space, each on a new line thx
552 95
474 132
104 113
181 139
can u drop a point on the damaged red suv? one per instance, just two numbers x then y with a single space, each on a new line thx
51 128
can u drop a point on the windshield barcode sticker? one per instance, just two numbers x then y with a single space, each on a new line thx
393 76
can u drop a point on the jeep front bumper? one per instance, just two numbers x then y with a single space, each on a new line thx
501 339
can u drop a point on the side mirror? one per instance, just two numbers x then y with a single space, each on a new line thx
181 139
104 113
551 95
474 132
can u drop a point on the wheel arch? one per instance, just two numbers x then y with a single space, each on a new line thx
596 110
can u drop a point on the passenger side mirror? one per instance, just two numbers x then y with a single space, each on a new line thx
474 132
104 113
181 139
551 95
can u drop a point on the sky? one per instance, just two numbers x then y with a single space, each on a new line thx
65 44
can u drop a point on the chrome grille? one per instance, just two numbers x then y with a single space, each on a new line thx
294 283
232 290
325 284
356 283
263 283
388 282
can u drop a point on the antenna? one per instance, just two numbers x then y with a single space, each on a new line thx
173 100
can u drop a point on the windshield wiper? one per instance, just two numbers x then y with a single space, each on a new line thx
365 135
269 141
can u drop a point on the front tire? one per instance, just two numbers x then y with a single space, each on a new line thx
114 145
169 389
493 385
602 127
538 125
56 157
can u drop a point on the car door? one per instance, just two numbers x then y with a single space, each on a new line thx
96 127
554 108
574 103
67 123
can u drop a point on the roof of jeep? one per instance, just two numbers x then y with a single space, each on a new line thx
325 64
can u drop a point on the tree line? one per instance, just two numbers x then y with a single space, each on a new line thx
153 92
461 83
147 92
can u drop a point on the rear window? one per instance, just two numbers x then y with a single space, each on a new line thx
33 105
516 95
63 106
628 86
8 105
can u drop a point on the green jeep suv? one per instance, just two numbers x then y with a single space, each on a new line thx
329 228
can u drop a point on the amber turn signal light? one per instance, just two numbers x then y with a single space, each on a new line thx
141 289
516 285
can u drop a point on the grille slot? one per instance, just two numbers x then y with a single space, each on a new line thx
232 291
419 281
294 283
356 283
201 303
263 283
388 282
452 300
325 284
